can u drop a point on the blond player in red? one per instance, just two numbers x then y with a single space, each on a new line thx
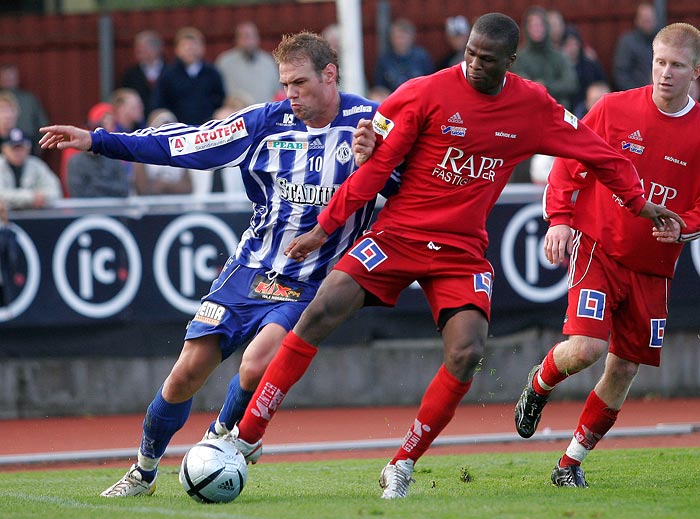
460 131
620 271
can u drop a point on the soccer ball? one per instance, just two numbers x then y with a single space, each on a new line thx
213 471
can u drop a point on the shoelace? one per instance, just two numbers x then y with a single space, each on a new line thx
127 482
400 481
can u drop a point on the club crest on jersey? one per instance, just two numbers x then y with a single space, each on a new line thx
382 125
203 140
591 304
571 119
343 153
210 313
632 147
368 253
658 327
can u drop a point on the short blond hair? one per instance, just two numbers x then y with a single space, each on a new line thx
681 35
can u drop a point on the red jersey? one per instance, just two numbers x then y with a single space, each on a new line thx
460 147
666 151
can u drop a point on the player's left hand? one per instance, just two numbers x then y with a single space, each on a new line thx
301 246
363 141
669 233
660 215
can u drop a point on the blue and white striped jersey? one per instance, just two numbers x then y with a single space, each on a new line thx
289 171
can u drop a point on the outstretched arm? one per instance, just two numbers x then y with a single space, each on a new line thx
62 137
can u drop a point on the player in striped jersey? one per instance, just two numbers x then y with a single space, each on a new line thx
293 156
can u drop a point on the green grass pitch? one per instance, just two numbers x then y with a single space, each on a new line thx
624 484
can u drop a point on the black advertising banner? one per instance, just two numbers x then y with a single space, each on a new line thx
150 264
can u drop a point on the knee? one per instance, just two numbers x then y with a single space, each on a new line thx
625 371
584 352
465 359
251 372
181 385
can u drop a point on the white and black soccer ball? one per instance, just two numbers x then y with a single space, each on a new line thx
213 471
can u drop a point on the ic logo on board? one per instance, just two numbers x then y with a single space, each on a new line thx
23 286
97 266
525 266
188 256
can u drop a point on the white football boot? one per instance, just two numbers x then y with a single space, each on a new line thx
251 451
132 484
396 478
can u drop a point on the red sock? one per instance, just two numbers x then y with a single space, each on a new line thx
286 368
550 374
596 419
437 408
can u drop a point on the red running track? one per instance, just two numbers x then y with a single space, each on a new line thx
55 435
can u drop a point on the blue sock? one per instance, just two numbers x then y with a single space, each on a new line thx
161 422
236 401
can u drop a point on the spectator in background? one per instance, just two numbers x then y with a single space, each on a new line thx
594 92
233 103
588 71
144 74
9 113
9 257
191 87
633 52
247 68
541 165
31 115
26 181
456 33
557 27
331 33
128 110
153 179
404 59
90 175
539 61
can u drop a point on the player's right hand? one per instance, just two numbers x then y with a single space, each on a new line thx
558 243
660 215
301 246
62 137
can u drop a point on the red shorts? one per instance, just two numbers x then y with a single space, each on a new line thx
610 302
384 264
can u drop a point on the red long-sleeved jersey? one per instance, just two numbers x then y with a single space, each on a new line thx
460 148
666 152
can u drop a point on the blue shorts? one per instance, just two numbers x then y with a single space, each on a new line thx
243 300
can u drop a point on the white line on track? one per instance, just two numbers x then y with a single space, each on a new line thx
352 445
